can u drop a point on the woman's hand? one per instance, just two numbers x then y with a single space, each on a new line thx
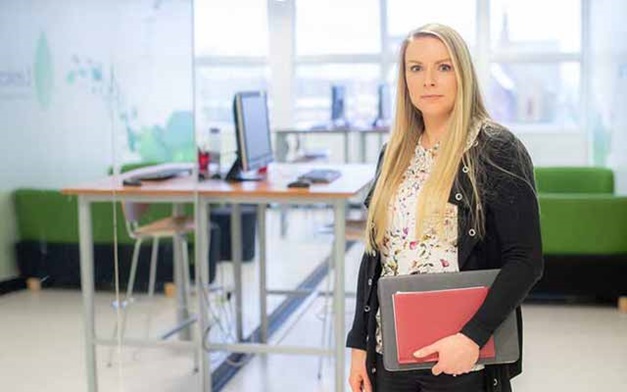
358 378
457 354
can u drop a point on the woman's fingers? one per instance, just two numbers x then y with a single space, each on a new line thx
426 351
367 386
355 385
359 383
437 369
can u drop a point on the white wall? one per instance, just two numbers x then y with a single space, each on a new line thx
556 149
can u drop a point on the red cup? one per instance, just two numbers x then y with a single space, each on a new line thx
203 161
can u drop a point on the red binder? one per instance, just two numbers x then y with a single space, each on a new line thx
422 318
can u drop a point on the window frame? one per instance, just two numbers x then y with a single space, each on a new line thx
282 13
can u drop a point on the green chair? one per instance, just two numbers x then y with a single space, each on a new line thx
584 232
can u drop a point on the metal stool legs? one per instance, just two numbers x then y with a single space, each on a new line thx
187 292
153 267
129 294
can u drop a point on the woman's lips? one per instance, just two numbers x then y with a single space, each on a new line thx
430 97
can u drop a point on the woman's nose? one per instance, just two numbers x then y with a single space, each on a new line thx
429 78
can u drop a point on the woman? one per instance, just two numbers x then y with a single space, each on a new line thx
454 191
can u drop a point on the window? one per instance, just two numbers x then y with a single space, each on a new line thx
535 73
530 66
337 27
535 93
231 49
536 26
407 15
343 47
313 91
216 86
231 28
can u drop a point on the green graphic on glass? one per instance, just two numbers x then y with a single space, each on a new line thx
43 72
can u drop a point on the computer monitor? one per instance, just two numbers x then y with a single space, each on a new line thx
252 130
384 102
338 105
383 107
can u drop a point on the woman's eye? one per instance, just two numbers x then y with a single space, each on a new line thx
445 67
415 68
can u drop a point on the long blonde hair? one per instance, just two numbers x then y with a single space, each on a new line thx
408 126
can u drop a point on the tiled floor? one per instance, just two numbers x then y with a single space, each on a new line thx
567 347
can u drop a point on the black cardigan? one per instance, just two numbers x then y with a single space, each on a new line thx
511 242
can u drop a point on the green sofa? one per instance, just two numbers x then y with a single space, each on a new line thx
47 246
584 232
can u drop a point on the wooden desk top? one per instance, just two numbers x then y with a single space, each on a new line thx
354 178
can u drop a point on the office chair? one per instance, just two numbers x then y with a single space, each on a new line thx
174 227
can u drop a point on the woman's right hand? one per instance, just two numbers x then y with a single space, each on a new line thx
358 378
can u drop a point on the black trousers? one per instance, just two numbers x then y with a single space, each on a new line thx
425 381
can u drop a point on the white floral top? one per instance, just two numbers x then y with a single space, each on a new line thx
401 252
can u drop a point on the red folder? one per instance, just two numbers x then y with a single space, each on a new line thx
422 318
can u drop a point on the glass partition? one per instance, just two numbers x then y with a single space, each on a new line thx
90 91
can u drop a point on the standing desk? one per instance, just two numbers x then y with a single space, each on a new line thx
185 190
282 147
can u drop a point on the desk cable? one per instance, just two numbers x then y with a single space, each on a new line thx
225 308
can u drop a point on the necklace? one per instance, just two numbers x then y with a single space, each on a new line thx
426 139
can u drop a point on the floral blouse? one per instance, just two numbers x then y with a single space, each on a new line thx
401 252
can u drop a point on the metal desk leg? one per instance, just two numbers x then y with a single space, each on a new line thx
87 288
283 149
236 256
346 147
202 280
339 252
263 305
283 209
182 312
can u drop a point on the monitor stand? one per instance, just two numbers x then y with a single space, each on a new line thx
236 174
381 123
340 123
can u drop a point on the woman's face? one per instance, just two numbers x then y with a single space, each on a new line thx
430 77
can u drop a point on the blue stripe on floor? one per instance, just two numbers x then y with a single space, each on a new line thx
226 371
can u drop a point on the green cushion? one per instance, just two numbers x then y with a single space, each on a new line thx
583 224
44 215
49 216
574 180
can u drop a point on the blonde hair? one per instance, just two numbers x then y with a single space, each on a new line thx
408 126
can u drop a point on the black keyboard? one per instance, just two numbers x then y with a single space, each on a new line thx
162 175
321 176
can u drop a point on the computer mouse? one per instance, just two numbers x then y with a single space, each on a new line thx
300 183
131 182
